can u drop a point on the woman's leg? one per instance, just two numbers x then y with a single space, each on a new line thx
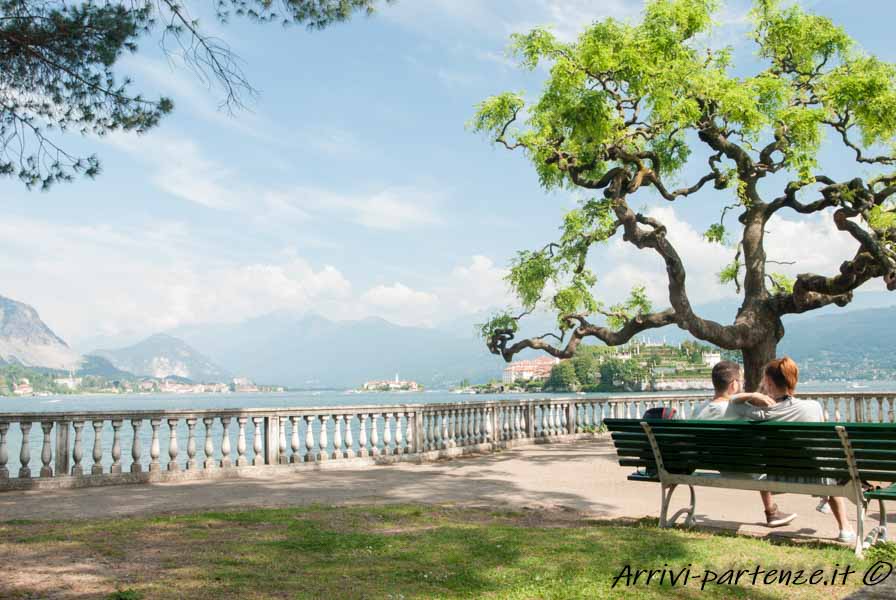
839 510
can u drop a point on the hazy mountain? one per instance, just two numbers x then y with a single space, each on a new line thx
162 355
311 351
98 366
26 340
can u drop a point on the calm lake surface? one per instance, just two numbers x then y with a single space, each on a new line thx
121 402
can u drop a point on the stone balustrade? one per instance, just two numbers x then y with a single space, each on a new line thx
230 443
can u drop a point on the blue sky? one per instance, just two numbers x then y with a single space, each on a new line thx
350 187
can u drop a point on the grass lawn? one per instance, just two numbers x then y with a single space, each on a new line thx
385 552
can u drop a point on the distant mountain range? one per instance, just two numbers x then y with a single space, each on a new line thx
163 356
310 351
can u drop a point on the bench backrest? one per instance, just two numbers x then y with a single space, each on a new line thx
771 447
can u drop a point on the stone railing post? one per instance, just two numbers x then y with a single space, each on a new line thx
225 442
63 451
241 460
309 439
571 417
257 443
78 450
172 445
136 447
209 447
154 450
4 453
97 467
294 444
115 469
25 451
419 432
271 440
191 444
46 452
349 438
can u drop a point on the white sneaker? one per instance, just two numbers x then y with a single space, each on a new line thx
823 506
847 537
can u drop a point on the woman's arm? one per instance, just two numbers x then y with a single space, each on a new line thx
754 398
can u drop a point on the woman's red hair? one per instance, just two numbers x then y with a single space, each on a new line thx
784 373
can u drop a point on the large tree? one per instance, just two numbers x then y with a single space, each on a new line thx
58 69
627 107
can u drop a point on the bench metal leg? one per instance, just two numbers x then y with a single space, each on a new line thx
879 533
860 527
665 521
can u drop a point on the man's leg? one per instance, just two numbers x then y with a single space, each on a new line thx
773 516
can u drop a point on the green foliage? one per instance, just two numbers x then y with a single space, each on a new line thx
502 321
729 273
60 71
781 284
627 373
529 273
716 234
882 219
563 378
637 304
587 367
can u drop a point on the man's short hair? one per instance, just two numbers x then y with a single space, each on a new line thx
723 374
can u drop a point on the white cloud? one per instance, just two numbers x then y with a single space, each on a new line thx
90 281
400 304
391 208
475 286
184 171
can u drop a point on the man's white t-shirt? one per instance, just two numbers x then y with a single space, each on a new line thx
711 410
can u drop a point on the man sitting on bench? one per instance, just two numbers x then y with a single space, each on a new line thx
727 380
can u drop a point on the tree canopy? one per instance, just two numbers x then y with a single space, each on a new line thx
58 70
627 105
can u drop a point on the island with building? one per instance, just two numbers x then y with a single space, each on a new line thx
643 365
391 385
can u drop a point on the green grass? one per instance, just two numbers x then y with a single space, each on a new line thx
388 552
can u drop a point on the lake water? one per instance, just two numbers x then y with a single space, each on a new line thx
302 399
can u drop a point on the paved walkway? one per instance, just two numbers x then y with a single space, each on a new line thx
581 476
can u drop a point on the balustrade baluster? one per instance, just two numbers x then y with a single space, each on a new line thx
209 447
191 444
349 438
281 441
97 467
524 429
518 410
398 436
322 450
4 452
387 434
241 460
472 439
225 442
172 445
563 422
374 435
409 426
25 450
46 452
136 447
362 436
309 437
337 437
294 443
257 446
116 447
487 424
443 431
154 450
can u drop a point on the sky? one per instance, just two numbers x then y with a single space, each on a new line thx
350 186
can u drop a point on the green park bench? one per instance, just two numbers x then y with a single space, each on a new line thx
723 454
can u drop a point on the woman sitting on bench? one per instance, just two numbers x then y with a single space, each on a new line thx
779 404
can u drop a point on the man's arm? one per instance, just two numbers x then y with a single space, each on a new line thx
754 398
